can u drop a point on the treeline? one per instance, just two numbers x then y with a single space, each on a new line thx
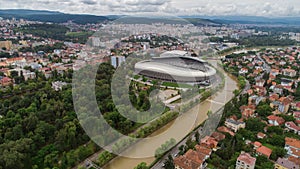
54 31
39 127
44 48
252 41
266 41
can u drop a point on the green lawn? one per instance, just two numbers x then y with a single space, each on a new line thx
79 34
180 85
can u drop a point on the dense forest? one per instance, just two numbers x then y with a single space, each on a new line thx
55 31
39 127
49 16
252 41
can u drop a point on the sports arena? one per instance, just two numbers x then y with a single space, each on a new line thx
176 66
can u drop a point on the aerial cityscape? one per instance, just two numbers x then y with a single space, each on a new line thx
136 84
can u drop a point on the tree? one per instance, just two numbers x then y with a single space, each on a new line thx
254 124
277 140
264 109
142 165
278 152
169 164
263 162
197 136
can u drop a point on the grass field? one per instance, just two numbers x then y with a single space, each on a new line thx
179 85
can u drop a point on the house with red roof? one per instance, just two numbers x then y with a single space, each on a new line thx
260 135
209 142
297 106
296 114
247 111
289 72
245 161
6 81
225 130
263 150
291 126
292 146
193 159
256 145
218 136
275 120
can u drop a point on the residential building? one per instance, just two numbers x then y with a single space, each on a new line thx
234 125
291 126
225 130
245 161
218 136
264 151
6 81
209 142
58 85
289 72
193 159
283 163
261 135
275 120
292 146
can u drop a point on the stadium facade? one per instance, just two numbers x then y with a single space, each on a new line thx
176 66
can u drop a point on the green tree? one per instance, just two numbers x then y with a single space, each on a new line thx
169 163
142 165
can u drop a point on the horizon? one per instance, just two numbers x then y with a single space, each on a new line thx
269 9
180 16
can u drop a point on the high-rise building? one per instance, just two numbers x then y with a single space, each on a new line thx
116 61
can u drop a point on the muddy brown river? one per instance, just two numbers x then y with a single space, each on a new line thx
144 150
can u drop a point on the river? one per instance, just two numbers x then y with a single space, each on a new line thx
144 150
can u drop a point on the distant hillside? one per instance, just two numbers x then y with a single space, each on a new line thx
254 20
50 16
201 21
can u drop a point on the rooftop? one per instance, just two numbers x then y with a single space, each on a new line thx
264 150
287 163
246 158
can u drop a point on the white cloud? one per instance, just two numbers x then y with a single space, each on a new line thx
176 7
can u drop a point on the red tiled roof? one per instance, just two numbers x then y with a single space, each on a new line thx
292 125
218 136
260 134
298 104
292 142
209 142
264 150
279 120
6 80
257 144
204 150
295 160
225 130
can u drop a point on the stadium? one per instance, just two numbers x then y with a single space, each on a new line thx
176 66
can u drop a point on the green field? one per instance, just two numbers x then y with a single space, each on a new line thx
180 85
79 34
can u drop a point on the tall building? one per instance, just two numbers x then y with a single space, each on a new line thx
116 61
245 161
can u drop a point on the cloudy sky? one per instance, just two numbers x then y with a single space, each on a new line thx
174 7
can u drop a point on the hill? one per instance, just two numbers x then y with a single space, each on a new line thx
51 16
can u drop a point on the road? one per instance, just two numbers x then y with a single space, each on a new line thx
208 128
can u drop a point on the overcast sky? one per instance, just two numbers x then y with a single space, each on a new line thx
174 7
